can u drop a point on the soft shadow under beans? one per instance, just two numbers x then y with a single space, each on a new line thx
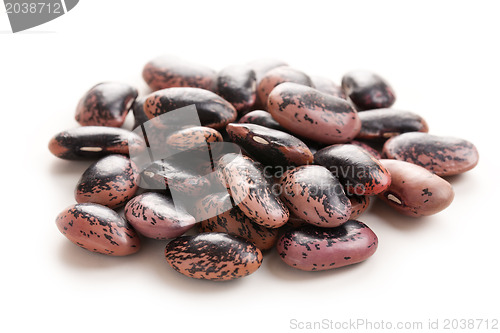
393 218
281 270
62 167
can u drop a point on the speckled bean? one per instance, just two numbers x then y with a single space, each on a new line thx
313 194
92 142
213 110
269 146
231 220
111 182
193 138
359 204
213 256
238 85
444 156
106 104
251 191
386 123
327 86
278 76
415 191
368 90
312 114
154 215
262 118
169 71
358 170
98 229
315 249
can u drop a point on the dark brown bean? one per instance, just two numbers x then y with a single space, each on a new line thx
262 118
444 156
368 90
238 86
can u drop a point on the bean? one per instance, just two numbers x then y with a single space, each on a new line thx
359 171
316 249
262 118
269 146
264 65
111 182
213 256
105 104
312 114
359 204
155 215
138 109
444 156
368 148
193 138
98 229
238 86
313 194
91 142
327 86
368 90
278 76
217 214
251 191
415 191
213 110
169 71
386 123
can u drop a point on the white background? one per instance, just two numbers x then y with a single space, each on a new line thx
442 58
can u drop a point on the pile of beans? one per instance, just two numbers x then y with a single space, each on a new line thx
309 165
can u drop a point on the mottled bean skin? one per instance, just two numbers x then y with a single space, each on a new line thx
358 170
169 71
213 256
313 194
111 182
166 173
154 215
312 114
105 104
251 191
444 156
264 65
231 220
414 190
262 118
238 85
386 123
359 204
270 147
316 249
327 86
213 110
138 109
92 142
368 148
368 90
193 138
278 76
98 229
